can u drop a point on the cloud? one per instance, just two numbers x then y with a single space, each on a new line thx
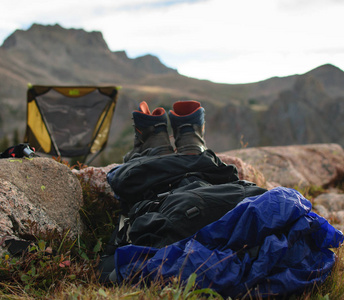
308 4
157 4
251 67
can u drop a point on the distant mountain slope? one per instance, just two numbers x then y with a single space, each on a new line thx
296 109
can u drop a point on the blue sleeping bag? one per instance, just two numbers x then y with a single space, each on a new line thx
270 244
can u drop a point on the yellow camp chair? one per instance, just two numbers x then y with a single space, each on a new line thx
69 121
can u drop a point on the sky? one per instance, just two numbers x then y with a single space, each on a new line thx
225 41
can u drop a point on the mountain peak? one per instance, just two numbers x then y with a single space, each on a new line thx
326 67
54 50
47 36
151 64
331 77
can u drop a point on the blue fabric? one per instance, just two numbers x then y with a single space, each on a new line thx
272 241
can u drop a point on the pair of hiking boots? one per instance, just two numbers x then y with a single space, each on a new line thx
151 134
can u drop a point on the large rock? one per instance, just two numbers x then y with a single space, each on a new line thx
299 165
38 194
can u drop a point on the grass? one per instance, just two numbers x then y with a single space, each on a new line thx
41 275
59 267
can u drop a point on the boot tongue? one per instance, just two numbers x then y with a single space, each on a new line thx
144 108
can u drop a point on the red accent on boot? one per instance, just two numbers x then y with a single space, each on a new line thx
184 108
159 111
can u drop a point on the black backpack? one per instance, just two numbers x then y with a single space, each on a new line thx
184 211
168 198
147 176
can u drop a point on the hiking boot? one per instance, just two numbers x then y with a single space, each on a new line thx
151 135
187 121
